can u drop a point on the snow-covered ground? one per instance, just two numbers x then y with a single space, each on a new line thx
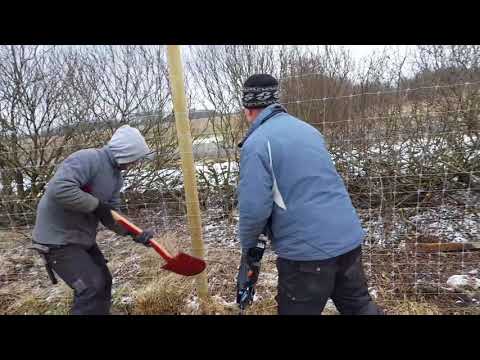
451 224
446 224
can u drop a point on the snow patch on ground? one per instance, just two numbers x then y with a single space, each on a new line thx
193 304
463 282
450 224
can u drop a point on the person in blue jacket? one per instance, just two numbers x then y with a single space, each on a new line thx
290 190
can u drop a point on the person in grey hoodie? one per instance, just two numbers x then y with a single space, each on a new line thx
290 190
82 193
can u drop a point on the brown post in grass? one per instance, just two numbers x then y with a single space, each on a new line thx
188 166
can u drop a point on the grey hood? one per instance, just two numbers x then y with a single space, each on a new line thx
127 145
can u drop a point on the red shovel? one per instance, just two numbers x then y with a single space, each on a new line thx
182 263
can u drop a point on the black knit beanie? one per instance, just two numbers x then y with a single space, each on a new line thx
259 91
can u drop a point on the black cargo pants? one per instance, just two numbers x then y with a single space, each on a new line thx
304 287
86 272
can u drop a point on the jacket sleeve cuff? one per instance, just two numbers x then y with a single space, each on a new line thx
247 244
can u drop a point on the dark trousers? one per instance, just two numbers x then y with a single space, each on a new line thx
304 287
86 272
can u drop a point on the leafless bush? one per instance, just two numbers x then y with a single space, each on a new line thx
56 100
219 73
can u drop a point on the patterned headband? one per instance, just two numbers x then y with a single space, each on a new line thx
260 96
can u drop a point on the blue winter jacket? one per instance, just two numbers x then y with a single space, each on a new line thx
289 187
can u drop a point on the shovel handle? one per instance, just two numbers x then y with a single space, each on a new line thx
136 230
132 227
161 250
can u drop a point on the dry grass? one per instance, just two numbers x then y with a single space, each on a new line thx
162 292
410 307
142 287
9 239
6 303
263 307
166 295
29 305
41 303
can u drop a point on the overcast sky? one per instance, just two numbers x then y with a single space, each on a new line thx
359 51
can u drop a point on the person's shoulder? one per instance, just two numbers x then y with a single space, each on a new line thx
255 141
86 155
292 117
302 123
282 119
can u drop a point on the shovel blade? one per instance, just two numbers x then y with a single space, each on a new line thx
184 264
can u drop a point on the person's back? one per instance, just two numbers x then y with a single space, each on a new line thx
318 221
65 212
289 188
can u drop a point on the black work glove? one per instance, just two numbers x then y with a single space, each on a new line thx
104 213
249 271
247 275
144 237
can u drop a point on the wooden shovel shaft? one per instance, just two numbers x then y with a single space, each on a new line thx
119 218
435 247
158 248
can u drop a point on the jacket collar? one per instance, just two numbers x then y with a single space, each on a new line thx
110 156
267 113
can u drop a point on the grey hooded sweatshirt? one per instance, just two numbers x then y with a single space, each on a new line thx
64 214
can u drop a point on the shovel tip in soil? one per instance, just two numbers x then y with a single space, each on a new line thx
186 265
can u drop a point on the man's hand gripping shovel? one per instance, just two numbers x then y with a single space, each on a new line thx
182 264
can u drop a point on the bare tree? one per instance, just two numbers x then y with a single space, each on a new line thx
219 72
56 100
35 102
